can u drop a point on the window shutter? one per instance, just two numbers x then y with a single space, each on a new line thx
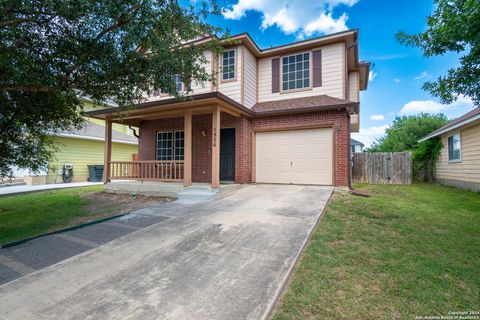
317 68
275 75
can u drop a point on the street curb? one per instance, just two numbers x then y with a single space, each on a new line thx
86 224
278 294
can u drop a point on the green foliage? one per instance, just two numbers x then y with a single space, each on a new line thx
52 52
454 26
404 134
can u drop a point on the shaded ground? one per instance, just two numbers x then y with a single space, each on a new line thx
407 251
27 215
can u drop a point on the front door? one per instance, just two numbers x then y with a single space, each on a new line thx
227 154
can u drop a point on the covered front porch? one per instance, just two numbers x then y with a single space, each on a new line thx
181 143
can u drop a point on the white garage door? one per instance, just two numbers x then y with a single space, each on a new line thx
294 156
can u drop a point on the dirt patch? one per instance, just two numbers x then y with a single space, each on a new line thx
103 204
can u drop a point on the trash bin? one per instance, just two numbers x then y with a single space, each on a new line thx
95 172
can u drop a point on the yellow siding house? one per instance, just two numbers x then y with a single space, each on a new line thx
84 147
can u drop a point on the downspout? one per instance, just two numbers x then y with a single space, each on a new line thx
349 153
134 132
347 94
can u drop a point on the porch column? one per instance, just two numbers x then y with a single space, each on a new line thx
216 147
187 129
107 151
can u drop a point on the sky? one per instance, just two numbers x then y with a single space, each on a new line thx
395 84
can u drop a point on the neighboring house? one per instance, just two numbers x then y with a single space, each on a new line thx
276 115
356 146
84 147
459 162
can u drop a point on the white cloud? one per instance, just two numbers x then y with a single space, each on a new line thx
396 80
423 75
369 135
430 106
303 17
372 75
377 117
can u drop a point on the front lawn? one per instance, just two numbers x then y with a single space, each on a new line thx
27 215
407 251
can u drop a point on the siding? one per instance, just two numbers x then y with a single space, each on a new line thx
469 168
250 81
203 87
197 87
88 106
332 76
81 153
353 86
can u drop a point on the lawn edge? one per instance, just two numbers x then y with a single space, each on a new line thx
273 305
86 224
45 190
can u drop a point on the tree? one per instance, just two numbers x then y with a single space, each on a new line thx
454 26
53 52
404 134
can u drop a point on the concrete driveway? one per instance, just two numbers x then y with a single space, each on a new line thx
223 259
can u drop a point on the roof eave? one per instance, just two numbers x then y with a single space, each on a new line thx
451 128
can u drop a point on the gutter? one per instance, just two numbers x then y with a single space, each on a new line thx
77 136
455 126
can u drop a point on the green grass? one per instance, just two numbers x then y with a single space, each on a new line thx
27 215
407 251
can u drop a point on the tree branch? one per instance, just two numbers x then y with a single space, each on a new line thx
25 87
8 23
120 21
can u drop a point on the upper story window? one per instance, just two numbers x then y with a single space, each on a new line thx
178 83
228 65
179 86
454 148
296 71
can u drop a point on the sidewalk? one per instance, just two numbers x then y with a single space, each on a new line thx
26 189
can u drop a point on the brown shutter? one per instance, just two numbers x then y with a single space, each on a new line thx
317 68
275 75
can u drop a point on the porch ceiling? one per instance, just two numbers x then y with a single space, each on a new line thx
170 108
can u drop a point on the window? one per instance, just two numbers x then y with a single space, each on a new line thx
454 148
178 83
296 71
228 65
170 145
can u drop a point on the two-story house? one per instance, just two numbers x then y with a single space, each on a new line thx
277 115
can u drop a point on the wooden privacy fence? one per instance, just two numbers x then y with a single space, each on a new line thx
382 167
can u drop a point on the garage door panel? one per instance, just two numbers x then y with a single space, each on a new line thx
295 156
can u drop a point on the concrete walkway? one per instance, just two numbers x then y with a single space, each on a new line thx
223 259
26 189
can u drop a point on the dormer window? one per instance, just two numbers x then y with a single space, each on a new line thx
228 65
296 72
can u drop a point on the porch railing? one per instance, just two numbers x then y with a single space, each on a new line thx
147 170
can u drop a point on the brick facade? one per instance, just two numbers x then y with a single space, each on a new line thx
244 129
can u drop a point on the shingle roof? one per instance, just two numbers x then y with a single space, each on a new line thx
93 130
469 115
293 105
306 104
